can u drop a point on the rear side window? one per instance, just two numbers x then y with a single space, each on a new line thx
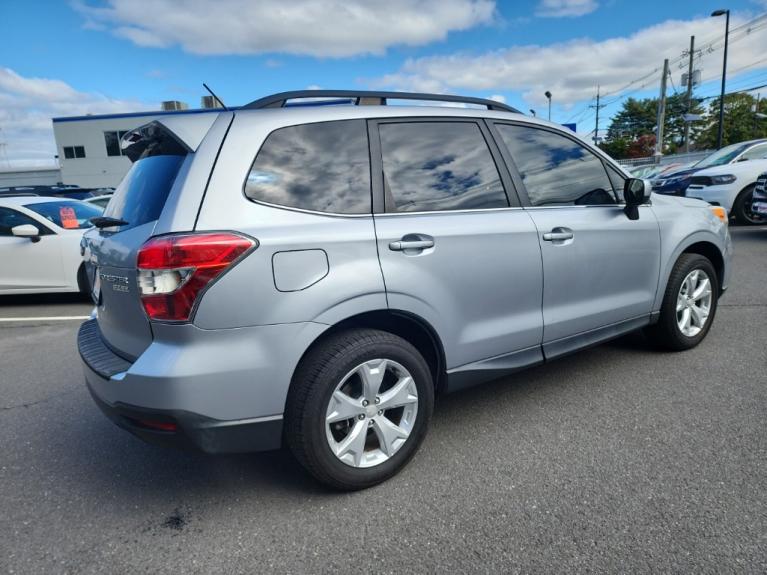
556 170
438 166
323 167
141 195
70 215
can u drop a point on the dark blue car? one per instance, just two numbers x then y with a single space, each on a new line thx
675 183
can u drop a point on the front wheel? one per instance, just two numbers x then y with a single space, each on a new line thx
689 304
358 408
741 209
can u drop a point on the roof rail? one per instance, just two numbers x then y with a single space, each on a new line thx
375 98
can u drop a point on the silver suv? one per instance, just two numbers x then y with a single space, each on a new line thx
289 273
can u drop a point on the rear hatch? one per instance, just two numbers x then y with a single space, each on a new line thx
158 157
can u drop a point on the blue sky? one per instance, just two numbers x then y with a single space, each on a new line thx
84 56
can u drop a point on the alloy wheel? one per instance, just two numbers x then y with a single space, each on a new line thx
693 303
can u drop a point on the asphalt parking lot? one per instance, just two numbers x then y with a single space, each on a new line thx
617 459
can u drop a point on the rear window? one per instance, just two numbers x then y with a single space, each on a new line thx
323 167
143 191
70 215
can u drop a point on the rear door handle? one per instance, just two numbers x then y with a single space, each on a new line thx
412 242
558 235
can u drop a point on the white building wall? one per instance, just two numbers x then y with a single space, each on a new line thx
97 169
30 177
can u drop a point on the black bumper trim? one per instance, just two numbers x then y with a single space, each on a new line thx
196 432
95 352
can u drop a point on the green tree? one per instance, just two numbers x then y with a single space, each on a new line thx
740 121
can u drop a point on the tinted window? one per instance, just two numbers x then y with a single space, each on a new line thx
11 218
69 152
143 191
756 153
71 215
556 170
323 167
430 166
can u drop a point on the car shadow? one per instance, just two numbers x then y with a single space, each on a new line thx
44 299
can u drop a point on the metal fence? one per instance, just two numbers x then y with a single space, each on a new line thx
665 160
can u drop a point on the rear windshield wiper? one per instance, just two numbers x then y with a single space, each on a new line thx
107 222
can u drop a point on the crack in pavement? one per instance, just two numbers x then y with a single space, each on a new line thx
39 401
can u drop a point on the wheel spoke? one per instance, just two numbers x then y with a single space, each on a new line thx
354 443
685 321
371 374
343 407
703 289
398 395
681 303
699 316
389 434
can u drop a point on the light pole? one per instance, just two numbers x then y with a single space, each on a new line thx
724 74
548 97
532 112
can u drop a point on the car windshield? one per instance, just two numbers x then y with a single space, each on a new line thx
70 215
723 156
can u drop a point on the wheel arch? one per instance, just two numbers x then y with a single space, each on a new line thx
699 243
408 326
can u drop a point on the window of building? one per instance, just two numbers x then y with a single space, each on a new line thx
71 152
112 142
322 167
555 169
437 166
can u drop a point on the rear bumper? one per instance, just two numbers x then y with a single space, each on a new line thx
223 391
191 431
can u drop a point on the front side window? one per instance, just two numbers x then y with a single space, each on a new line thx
758 152
70 215
322 167
556 170
438 166
9 219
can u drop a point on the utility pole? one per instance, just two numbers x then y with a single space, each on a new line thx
689 95
720 133
596 124
661 114
756 116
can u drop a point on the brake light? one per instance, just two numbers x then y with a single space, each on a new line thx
174 270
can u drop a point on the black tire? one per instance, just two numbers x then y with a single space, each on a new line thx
666 334
82 280
314 382
741 209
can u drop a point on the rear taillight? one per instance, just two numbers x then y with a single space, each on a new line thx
174 270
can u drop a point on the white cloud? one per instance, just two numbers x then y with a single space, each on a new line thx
28 104
498 98
571 70
565 8
324 28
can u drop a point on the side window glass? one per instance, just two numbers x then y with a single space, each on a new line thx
437 166
11 218
556 170
618 180
755 153
323 167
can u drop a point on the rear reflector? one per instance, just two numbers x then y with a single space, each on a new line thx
157 425
174 270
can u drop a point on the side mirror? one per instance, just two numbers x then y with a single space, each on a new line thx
636 192
26 231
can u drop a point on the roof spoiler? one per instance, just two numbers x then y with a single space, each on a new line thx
171 135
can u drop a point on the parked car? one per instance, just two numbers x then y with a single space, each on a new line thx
319 273
100 201
730 186
675 183
759 205
40 244
62 191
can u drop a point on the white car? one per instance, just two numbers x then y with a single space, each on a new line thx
730 186
40 244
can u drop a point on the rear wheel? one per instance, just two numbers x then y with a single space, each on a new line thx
82 280
689 304
741 209
359 408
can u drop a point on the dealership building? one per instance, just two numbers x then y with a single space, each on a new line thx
88 147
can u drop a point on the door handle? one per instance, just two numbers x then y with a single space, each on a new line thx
558 235
406 243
